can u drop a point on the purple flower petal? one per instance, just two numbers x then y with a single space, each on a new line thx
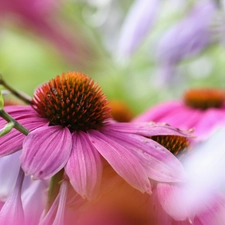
191 37
123 161
9 169
46 150
84 166
160 164
136 25
12 211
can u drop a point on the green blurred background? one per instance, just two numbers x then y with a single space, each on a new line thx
29 58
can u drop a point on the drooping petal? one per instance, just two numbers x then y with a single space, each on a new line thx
191 37
12 211
9 169
123 161
36 192
136 25
46 150
160 164
84 166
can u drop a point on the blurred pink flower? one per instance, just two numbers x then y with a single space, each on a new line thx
200 109
70 127
41 17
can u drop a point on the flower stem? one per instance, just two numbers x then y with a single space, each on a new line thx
54 187
24 97
16 125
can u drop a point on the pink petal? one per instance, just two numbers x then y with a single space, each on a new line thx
209 121
123 161
160 164
158 112
46 150
148 129
172 199
26 116
12 211
84 166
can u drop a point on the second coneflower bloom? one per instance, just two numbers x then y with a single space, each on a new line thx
202 109
71 127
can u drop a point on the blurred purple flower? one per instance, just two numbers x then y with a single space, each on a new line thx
137 24
187 38
41 17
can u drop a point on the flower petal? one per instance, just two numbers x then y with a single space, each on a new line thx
27 117
36 192
123 161
84 166
12 211
148 129
46 150
160 164
172 199
9 169
138 22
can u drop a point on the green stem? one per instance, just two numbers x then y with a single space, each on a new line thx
17 125
27 99
54 187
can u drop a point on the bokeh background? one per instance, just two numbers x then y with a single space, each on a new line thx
141 52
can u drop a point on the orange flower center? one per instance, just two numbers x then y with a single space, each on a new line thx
175 144
204 98
72 100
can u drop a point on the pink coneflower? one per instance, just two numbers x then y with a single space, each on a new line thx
70 128
201 109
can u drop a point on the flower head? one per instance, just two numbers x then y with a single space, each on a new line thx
70 127
200 109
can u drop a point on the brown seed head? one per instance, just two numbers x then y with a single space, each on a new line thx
72 100
175 144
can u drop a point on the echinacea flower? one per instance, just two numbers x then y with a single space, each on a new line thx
201 109
70 127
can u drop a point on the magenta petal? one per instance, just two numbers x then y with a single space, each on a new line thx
160 164
123 161
172 199
26 116
84 166
46 150
158 112
148 129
